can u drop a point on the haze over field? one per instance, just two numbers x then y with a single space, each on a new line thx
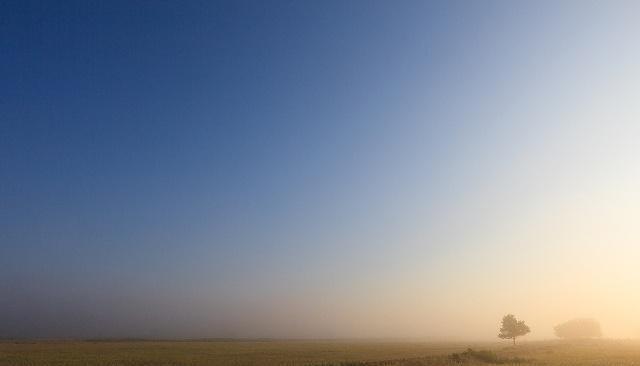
318 169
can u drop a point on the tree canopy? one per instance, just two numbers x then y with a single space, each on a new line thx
512 328
579 328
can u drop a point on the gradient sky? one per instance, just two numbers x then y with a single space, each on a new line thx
318 168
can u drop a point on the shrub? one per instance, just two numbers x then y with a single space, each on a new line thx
483 356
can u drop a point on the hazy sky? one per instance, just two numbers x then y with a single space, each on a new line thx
318 168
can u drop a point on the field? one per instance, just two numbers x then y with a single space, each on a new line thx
367 353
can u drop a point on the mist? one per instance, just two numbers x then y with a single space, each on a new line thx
364 170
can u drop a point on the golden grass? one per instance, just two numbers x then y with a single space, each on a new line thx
200 353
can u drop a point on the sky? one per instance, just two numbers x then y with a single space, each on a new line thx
318 169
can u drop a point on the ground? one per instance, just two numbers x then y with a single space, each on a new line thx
367 353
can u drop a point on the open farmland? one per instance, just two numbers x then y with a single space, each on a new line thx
200 353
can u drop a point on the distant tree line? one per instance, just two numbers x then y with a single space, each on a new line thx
579 328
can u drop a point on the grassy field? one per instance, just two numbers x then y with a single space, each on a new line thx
192 353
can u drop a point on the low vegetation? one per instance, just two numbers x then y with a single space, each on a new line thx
589 352
485 356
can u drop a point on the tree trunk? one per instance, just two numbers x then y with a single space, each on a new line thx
514 341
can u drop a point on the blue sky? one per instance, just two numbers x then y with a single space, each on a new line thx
191 169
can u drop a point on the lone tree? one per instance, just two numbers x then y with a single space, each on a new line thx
579 328
512 328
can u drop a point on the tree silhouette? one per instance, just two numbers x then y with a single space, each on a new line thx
512 328
578 328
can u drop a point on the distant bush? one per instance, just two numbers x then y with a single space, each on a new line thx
579 328
483 356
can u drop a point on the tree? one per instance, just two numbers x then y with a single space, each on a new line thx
512 328
578 328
